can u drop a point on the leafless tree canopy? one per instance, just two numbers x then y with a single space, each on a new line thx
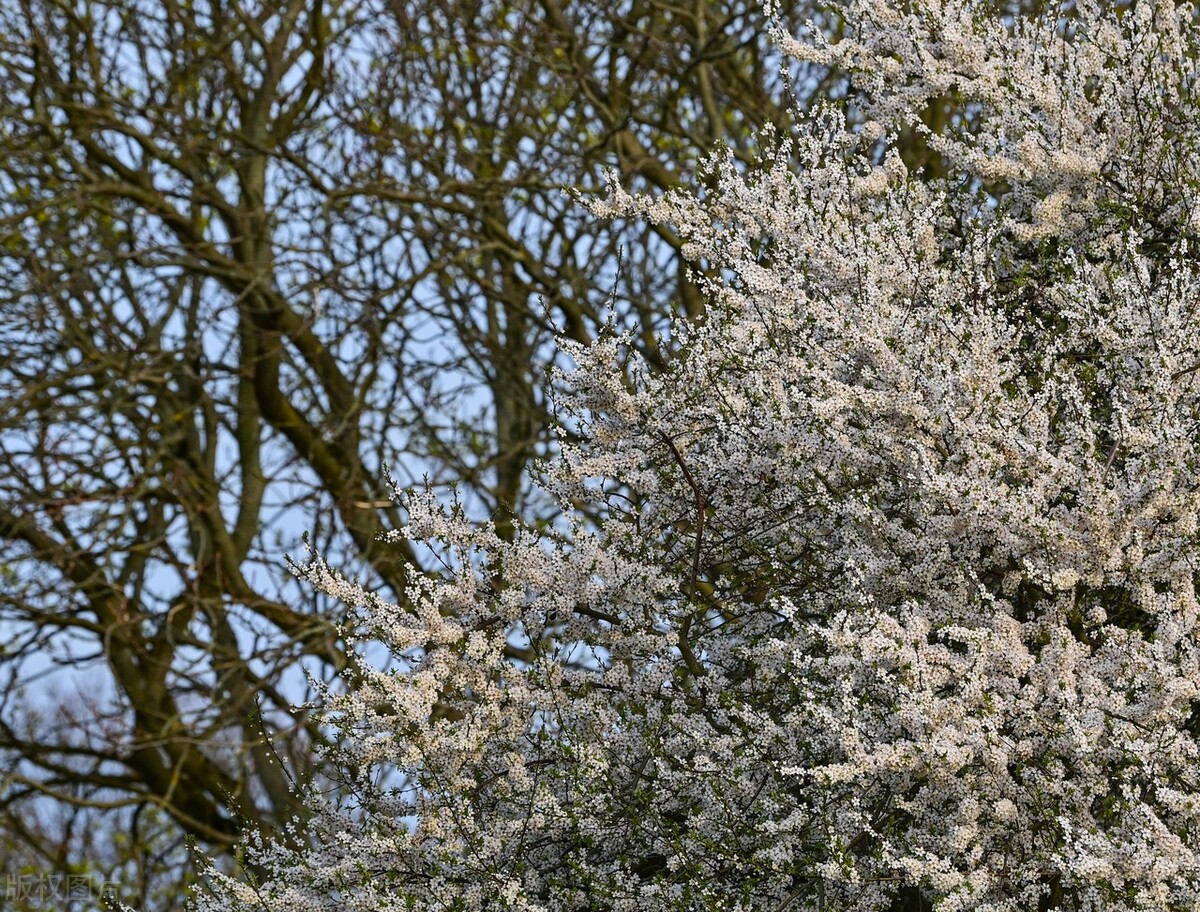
251 253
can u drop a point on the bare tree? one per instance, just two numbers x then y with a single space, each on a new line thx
250 254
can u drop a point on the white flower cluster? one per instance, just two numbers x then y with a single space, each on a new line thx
895 606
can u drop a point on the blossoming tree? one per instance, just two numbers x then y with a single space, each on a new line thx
895 601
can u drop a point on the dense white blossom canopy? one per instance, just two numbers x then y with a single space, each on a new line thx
895 603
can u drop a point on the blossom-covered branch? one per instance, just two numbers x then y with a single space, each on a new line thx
894 604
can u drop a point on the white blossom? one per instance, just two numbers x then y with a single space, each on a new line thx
895 595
